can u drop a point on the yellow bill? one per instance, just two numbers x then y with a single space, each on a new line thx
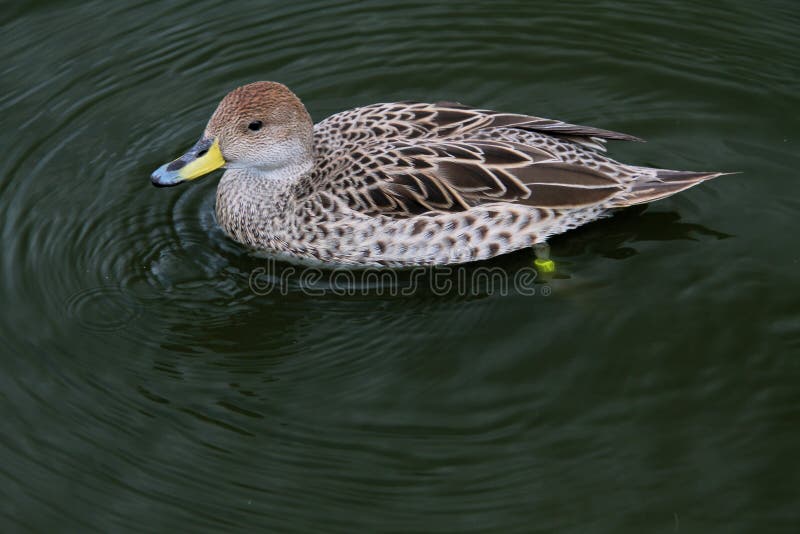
204 157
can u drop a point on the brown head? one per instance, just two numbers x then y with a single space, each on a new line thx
261 125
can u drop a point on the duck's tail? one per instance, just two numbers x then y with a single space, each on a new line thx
655 184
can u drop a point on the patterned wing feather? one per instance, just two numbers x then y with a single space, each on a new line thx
404 159
455 176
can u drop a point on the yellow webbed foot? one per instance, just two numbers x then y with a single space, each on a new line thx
543 263
544 266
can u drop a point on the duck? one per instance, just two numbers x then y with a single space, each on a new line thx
406 183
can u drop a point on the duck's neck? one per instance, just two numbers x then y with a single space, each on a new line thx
255 206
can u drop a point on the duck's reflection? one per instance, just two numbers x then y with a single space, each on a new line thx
612 237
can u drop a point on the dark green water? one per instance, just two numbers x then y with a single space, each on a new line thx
145 387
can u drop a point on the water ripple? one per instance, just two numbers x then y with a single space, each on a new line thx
146 370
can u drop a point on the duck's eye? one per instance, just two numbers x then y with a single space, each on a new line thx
255 125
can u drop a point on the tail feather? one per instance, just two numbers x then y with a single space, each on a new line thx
663 184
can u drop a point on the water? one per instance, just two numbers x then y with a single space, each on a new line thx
652 386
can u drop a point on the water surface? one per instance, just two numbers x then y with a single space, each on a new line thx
652 386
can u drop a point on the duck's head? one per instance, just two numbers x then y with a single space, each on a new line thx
262 126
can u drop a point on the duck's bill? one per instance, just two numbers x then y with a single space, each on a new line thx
204 157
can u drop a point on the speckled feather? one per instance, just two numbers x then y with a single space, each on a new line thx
417 184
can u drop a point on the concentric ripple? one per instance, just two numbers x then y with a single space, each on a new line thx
155 375
102 309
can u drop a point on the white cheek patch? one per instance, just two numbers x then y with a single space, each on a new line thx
276 160
266 154
283 153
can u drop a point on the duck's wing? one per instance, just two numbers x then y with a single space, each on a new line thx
406 159
415 120
453 116
411 179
